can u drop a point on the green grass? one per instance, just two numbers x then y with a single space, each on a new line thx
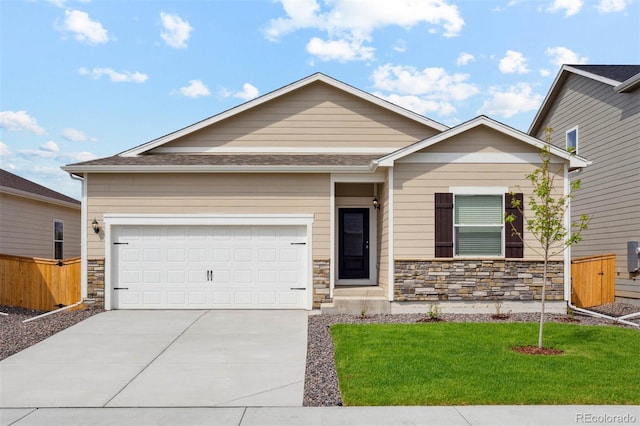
473 364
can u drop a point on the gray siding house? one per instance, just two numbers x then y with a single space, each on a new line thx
596 110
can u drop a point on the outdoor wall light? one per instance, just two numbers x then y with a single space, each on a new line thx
95 226
376 203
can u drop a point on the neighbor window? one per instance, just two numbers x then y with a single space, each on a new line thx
58 239
478 225
572 140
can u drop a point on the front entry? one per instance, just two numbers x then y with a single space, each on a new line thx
353 243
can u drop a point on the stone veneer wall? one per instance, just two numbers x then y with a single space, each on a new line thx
321 282
95 281
465 280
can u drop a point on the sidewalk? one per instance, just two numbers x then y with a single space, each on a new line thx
549 415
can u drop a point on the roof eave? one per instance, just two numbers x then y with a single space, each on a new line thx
37 197
216 169
629 84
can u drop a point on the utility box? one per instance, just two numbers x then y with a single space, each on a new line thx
633 256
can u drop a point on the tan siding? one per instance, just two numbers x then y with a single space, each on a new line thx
26 227
383 237
415 185
317 115
608 135
212 193
481 139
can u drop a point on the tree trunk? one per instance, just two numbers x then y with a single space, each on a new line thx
544 296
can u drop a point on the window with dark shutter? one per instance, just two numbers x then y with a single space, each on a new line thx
444 224
514 247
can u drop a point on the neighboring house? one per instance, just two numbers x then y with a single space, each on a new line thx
595 109
309 196
36 221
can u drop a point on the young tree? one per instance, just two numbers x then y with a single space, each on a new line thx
545 216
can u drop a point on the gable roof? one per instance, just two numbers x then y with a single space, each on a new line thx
622 79
16 185
574 160
317 77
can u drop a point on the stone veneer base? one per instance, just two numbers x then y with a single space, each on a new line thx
476 280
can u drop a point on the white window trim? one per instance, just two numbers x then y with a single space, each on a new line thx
479 190
566 139
54 237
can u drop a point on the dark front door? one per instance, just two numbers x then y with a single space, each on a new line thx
353 244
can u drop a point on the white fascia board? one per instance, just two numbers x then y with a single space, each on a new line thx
277 93
37 197
481 120
629 84
559 80
218 169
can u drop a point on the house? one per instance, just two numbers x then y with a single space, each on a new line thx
36 221
315 195
595 109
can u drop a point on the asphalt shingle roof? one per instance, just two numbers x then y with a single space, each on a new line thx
233 160
614 72
10 180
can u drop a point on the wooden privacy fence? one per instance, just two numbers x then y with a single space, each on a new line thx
39 284
593 280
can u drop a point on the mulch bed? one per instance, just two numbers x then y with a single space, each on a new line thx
534 350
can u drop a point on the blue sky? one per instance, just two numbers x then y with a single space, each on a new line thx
87 79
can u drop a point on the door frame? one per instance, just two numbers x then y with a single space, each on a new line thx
112 220
358 203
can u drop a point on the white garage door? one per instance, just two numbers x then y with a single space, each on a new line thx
205 267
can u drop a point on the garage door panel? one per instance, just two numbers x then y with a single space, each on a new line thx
210 267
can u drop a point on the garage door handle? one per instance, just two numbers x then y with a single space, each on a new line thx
298 288
298 244
121 288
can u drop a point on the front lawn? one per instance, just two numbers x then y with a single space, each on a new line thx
473 364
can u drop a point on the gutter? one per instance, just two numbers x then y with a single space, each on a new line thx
621 319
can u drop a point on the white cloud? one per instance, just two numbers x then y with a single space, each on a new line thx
4 149
513 62
248 92
176 30
545 72
349 24
570 7
430 89
75 135
400 46
76 157
115 76
84 29
515 100
196 88
339 50
19 120
50 146
610 6
561 55
464 59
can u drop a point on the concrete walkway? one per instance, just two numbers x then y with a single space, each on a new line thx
298 416
163 359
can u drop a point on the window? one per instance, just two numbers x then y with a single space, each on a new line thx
572 140
58 239
478 225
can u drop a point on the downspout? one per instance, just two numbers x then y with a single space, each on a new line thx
53 312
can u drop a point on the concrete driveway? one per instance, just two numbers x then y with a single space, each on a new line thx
164 359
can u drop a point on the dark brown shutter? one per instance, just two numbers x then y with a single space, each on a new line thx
444 224
514 247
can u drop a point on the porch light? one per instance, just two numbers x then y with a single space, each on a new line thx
95 226
376 203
